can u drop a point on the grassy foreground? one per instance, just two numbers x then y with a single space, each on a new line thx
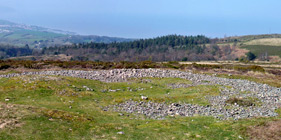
51 107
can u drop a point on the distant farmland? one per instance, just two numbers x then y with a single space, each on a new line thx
261 49
265 41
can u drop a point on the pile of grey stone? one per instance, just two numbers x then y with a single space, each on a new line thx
270 97
161 110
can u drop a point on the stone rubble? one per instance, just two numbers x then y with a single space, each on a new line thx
144 98
270 97
183 85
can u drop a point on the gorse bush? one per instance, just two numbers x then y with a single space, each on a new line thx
249 68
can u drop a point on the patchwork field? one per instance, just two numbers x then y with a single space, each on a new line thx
65 105
271 46
28 36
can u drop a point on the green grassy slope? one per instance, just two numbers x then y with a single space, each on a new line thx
29 36
267 44
261 49
20 34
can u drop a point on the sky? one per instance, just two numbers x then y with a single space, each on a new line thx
148 18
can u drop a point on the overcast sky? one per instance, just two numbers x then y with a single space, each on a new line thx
148 18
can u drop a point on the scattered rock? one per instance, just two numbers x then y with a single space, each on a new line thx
120 133
144 98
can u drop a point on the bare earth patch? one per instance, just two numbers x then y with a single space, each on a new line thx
10 115
239 52
268 131
7 117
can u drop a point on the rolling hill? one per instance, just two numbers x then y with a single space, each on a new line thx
173 48
39 37
103 48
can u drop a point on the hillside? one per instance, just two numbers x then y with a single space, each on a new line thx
34 36
267 47
173 48
246 38
264 47
165 48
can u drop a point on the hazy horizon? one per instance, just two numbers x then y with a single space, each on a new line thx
145 19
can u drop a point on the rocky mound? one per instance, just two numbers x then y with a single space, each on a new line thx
220 107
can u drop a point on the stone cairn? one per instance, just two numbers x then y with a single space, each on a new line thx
270 97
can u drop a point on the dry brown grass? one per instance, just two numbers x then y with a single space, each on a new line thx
265 41
271 79
267 131
11 115
239 52
275 59
61 57
264 64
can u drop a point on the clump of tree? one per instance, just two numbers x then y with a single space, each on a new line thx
7 51
251 56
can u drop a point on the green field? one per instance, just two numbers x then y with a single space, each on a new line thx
261 49
60 108
29 36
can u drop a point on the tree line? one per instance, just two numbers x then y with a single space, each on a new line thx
165 48
7 51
